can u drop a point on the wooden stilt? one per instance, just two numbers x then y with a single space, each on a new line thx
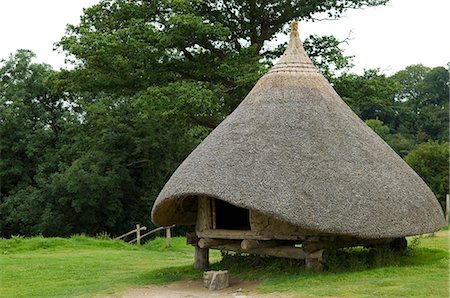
201 261
447 207
399 244
316 260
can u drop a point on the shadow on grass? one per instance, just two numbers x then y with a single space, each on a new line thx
250 267
170 274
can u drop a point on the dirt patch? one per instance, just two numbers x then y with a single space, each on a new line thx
195 289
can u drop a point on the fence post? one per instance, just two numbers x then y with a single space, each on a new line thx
447 207
138 234
168 237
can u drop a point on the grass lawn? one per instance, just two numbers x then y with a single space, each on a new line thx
83 266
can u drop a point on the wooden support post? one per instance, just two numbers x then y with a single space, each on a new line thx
315 260
447 207
399 244
213 209
138 234
204 221
168 236
201 258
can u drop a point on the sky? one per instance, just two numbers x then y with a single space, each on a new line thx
390 37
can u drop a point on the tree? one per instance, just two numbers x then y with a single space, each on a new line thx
100 165
378 127
431 161
219 42
33 127
371 96
397 141
410 79
422 103
413 103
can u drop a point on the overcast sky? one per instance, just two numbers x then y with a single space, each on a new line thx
402 33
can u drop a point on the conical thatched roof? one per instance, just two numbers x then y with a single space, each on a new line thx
295 151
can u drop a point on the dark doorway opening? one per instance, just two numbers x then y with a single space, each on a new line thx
230 217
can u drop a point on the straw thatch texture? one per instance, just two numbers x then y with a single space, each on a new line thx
295 151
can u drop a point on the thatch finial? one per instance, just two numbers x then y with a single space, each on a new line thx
294 29
294 54
294 26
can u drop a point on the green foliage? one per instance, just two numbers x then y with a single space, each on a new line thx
371 96
80 165
26 105
34 128
422 104
219 42
431 161
378 126
327 55
357 259
411 106
397 141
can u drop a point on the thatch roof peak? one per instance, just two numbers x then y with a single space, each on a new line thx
294 58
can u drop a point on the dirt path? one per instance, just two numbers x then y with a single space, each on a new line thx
195 289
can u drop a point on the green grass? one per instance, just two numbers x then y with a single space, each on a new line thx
83 266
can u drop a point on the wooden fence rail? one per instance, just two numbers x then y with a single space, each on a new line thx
139 236
138 228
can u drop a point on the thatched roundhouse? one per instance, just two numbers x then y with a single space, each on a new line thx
293 164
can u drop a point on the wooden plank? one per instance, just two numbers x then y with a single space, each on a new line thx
129 233
208 242
245 234
151 232
154 231
230 234
248 244
289 252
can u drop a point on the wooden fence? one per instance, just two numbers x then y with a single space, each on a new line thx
139 236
